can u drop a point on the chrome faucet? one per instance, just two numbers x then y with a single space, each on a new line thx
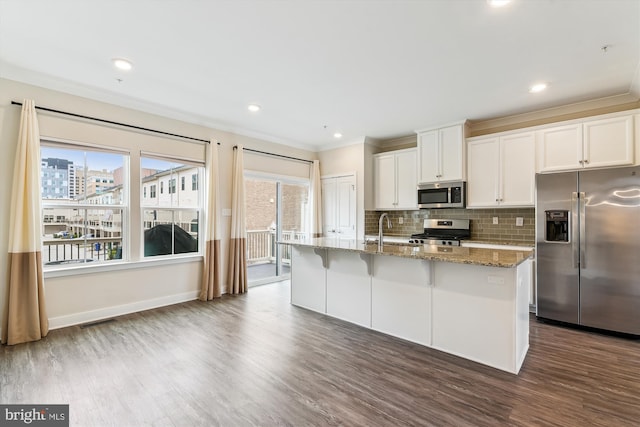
380 237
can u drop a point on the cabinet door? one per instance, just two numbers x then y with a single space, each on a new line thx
406 181
329 207
428 157
560 148
484 173
517 160
608 142
451 153
385 181
346 206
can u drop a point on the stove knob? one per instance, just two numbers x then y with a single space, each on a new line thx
422 241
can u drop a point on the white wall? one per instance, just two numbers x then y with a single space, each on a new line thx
96 294
345 160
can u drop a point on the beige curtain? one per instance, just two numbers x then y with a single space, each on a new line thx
211 274
238 242
316 200
25 314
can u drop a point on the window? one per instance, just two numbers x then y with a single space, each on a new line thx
171 222
194 182
144 192
152 191
182 183
80 224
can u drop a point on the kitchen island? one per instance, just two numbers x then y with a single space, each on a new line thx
470 302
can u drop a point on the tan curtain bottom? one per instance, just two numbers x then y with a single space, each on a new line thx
25 317
211 275
237 266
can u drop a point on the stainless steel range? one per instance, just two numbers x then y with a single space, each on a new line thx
447 232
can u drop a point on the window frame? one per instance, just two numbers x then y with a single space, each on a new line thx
89 205
173 175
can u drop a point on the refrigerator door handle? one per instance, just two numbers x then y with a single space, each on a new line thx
573 237
583 230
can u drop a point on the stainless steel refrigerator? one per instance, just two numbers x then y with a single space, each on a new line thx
588 248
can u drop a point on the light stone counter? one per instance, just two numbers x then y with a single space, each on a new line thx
456 254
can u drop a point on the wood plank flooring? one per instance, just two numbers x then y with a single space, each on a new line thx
256 360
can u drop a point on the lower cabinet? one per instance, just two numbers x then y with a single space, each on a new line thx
401 298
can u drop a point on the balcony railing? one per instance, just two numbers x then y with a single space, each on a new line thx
261 248
261 245
79 250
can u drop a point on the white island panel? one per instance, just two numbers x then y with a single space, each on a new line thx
477 313
401 298
310 278
349 288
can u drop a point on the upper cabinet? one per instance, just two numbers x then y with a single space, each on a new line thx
395 183
501 170
590 144
441 154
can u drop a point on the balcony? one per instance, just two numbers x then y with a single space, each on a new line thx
261 251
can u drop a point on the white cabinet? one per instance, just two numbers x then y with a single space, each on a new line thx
441 154
589 144
501 171
395 183
339 206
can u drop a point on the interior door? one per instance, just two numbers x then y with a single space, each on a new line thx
329 207
346 206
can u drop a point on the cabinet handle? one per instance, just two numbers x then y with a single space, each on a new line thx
581 161
586 161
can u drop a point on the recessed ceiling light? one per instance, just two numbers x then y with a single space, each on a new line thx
254 108
337 135
122 64
498 3
538 87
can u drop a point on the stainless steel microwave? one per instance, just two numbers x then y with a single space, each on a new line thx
442 195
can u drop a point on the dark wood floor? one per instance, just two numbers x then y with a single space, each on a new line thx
257 360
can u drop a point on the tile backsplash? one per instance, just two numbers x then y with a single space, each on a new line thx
481 222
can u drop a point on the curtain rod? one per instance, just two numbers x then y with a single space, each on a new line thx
115 123
274 155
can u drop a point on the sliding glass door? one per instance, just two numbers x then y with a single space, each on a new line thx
277 210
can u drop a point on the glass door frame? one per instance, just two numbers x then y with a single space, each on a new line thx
278 180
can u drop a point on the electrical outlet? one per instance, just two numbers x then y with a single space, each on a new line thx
401 220
519 221
495 220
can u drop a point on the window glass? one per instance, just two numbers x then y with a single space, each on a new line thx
83 195
171 220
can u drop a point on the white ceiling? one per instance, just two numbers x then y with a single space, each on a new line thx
365 68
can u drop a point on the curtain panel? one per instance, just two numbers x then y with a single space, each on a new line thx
211 276
237 282
25 314
316 200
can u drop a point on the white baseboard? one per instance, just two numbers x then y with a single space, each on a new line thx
118 310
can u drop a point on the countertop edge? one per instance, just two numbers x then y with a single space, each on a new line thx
491 253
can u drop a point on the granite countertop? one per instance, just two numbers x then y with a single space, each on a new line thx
462 255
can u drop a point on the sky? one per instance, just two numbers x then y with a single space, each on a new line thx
99 160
